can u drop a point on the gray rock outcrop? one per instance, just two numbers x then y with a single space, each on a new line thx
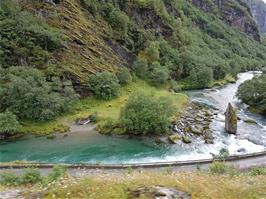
230 120
158 192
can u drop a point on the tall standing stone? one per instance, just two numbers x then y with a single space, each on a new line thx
230 120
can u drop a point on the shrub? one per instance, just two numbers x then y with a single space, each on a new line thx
25 39
218 167
104 85
201 77
94 117
174 86
159 75
253 93
144 114
107 126
9 178
117 19
31 176
124 76
57 172
223 153
258 171
152 53
140 67
8 123
27 94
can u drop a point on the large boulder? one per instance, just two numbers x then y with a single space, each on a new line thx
230 120
158 192
174 139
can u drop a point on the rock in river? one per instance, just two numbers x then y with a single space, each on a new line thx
230 120
250 121
174 138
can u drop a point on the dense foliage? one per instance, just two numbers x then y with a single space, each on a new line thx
124 77
104 85
181 38
253 93
26 93
8 124
144 114
24 39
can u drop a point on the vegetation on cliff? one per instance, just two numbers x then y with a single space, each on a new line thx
60 48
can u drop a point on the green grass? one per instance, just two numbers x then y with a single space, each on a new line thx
111 108
106 109
43 128
200 185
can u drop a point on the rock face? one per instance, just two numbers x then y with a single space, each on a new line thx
258 10
234 13
158 192
230 120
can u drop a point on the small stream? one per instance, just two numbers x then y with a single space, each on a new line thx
91 147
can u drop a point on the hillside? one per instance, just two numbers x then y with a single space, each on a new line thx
103 36
49 48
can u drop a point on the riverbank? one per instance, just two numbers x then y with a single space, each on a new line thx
105 110
108 110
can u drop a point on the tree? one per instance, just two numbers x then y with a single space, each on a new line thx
159 75
124 76
145 114
26 93
25 39
104 85
8 124
201 77
253 93
140 67
152 52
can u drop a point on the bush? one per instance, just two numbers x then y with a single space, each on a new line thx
94 117
117 19
258 171
57 172
8 124
201 77
218 167
174 86
152 53
124 76
31 176
253 93
140 67
9 179
159 75
26 93
25 39
104 85
144 114
223 154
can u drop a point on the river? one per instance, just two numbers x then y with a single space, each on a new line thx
91 147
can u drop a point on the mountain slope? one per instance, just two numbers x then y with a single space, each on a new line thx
104 35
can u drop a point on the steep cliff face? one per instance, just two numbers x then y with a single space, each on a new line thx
234 13
258 9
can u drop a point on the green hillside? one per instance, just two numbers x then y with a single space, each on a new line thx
49 48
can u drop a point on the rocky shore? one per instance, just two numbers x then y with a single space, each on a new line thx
195 122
